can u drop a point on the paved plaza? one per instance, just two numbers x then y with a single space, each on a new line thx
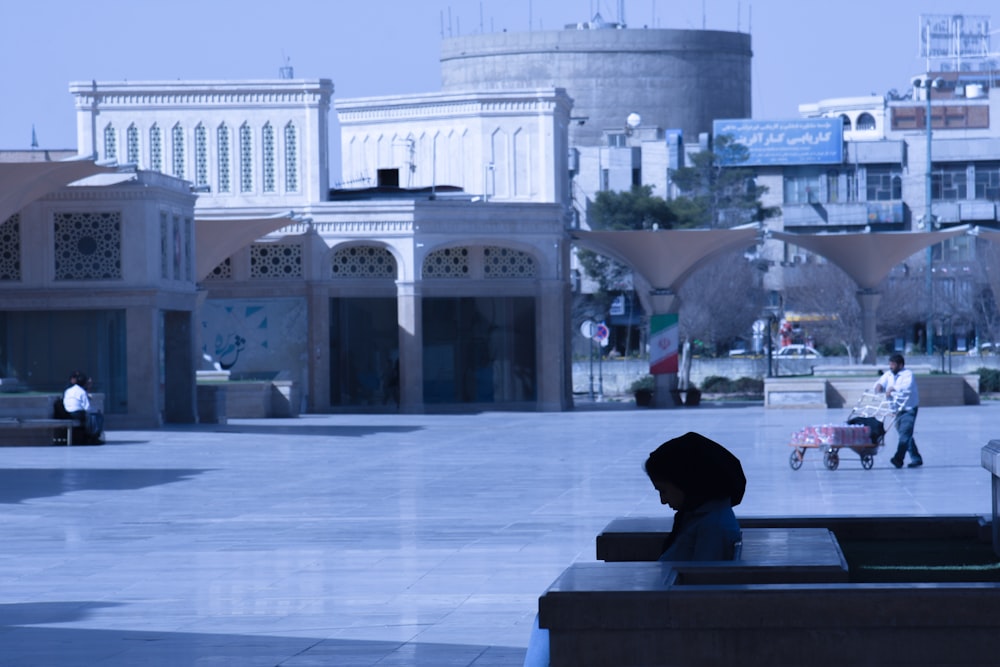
358 540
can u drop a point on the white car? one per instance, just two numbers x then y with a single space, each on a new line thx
797 352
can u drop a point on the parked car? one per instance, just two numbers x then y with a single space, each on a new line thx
797 351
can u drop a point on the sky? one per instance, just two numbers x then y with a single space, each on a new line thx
803 50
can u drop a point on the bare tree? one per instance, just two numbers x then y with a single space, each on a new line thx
823 290
719 302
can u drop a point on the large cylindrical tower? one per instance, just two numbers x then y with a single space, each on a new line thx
675 79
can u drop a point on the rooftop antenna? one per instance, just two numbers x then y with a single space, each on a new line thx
34 138
286 71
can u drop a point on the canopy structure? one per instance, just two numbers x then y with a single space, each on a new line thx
218 238
865 256
665 258
24 182
868 258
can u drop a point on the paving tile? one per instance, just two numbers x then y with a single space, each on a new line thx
382 540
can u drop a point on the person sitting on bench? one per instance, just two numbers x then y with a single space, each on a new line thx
76 402
701 481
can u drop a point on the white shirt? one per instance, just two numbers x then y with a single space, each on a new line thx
901 388
75 399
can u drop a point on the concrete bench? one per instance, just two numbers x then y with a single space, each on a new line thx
28 419
22 431
787 601
641 538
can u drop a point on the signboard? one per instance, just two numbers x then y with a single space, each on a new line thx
786 142
664 337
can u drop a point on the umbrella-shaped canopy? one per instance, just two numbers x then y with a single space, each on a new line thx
700 467
665 258
24 182
218 238
866 257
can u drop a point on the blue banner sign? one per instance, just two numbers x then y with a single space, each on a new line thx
787 142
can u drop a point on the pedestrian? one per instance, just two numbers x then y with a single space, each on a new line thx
901 389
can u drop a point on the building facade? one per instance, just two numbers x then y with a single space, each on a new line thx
406 296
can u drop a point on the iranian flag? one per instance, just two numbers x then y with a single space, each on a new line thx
664 335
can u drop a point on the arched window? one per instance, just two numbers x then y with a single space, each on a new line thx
177 142
223 148
110 143
200 156
267 136
847 122
866 121
291 159
132 144
246 158
155 148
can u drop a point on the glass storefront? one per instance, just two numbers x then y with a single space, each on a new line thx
364 351
41 348
479 350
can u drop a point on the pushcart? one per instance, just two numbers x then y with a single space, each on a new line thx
864 433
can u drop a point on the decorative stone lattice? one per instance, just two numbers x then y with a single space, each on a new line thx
507 263
291 159
224 271
200 156
155 148
275 260
447 263
88 246
110 143
178 146
132 144
267 135
10 248
225 184
246 158
363 262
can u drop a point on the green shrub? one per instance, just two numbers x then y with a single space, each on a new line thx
746 385
644 382
989 380
716 384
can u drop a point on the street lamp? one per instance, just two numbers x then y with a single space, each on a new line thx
927 223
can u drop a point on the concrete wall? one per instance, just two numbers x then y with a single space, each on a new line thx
617 375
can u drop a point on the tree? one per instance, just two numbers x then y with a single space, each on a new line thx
634 209
824 290
720 301
716 192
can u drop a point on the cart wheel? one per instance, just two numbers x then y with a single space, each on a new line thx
867 461
831 459
795 460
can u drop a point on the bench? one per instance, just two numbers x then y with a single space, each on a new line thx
58 430
788 600
30 419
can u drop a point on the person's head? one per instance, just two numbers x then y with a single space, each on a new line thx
692 469
896 363
74 377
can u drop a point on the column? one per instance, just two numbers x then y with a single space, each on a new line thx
664 302
868 300
553 366
411 347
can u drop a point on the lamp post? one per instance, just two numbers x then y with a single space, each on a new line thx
929 84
